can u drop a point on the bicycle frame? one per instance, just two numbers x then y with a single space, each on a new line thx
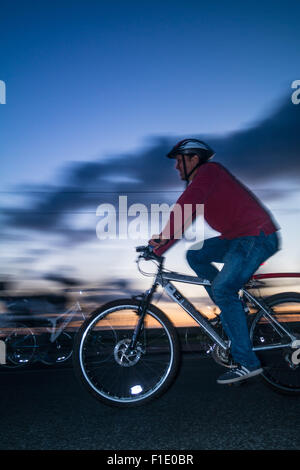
67 316
164 278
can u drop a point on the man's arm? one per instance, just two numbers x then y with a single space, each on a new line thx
181 215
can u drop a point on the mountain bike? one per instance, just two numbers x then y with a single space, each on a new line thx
128 351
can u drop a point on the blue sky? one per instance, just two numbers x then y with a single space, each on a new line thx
110 82
87 79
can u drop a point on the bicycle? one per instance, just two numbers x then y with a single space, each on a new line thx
31 337
127 352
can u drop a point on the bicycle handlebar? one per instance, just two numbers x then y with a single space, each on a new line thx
148 254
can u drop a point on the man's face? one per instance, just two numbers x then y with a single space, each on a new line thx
190 163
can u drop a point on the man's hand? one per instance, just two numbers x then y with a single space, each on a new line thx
157 241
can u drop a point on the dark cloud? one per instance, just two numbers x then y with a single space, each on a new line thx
108 290
36 252
269 149
24 259
266 150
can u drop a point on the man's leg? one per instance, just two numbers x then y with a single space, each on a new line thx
213 250
243 258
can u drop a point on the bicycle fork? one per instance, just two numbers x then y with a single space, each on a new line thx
145 301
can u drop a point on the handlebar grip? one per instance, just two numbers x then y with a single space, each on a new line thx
144 248
140 248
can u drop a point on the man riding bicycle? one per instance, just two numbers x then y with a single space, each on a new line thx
247 238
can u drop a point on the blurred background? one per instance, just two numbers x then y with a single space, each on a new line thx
97 92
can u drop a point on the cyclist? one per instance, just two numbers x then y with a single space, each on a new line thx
248 236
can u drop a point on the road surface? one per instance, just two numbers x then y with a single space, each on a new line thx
47 409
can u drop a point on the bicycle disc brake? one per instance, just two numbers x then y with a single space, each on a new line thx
124 357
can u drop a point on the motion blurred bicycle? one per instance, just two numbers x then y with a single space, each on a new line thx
127 352
34 329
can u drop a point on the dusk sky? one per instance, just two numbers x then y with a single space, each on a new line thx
96 94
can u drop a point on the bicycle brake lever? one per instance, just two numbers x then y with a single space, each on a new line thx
147 253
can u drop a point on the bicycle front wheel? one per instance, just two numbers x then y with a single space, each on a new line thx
281 367
114 374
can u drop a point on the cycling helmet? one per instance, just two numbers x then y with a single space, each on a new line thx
192 147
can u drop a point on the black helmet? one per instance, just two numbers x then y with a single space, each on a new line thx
192 147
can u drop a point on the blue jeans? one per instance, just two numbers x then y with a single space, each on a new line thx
241 257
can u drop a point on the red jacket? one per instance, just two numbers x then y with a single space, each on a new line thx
229 207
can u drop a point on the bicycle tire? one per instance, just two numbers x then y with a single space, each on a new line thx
58 352
279 372
100 361
21 346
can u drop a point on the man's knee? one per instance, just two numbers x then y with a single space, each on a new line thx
196 260
191 257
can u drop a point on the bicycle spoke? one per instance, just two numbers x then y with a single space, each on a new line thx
112 369
280 371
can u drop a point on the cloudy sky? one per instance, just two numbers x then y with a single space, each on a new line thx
96 94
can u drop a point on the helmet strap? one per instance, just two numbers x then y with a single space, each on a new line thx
187 175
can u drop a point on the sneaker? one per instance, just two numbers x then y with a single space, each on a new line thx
237 374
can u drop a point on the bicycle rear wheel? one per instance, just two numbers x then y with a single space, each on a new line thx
104 365
281 366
